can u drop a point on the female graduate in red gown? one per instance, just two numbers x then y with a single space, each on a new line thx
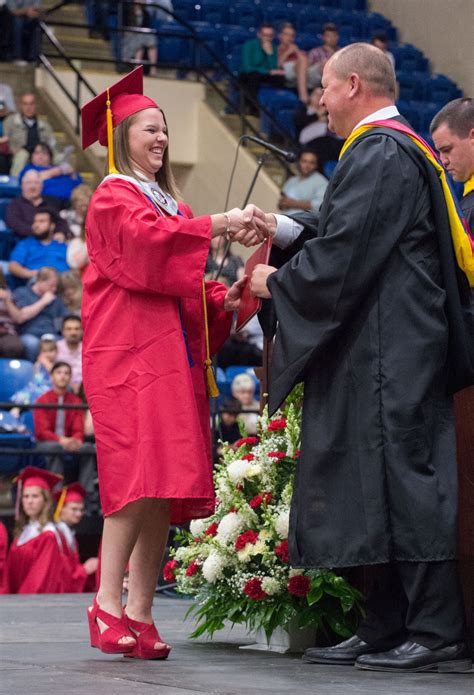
78 576
35 562
144 357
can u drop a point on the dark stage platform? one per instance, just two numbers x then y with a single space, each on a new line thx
44 650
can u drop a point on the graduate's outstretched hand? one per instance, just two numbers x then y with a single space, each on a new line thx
232 298
258 223
258 281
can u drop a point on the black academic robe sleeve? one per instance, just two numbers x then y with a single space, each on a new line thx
318 292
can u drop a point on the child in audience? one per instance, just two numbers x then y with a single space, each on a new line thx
35 561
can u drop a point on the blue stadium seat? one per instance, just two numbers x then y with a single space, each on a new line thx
375 22
9 187
213 12
175 49
14 375
4 203
286 119
409 59
412 85
410 111
278 13
7 241
329 167
246 14
11 463
441 89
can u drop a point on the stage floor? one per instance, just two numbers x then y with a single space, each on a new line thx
44 649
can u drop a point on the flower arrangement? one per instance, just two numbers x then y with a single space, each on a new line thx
236 562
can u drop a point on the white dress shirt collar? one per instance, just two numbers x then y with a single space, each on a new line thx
380 115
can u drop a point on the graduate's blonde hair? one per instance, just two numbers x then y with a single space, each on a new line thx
45 516
164 177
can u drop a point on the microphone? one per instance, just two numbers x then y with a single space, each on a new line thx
289 156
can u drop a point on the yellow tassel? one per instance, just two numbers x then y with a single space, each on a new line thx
60 504
110 138
212 389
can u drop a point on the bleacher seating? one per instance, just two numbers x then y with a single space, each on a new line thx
14 375
9 188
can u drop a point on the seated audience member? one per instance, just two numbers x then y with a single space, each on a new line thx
77 256
59 180
7 106
233 267
41 379
41 310
24 131
60 432
70 349
259 64
295 64
35 557
10 343
21 211
242 348
311 123
306 190
380 40
68 514
75 216
243 390
134 44
228 430
40 249
70 291
319 56
3 558
26 30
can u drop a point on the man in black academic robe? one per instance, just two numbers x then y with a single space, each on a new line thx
362 321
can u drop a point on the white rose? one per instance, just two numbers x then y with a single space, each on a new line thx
229 527
270 586
237 471
213 567
282 523
198 526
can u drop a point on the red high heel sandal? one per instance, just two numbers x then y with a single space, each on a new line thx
108 641
146 635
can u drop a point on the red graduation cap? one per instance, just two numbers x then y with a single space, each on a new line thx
69 493
38 477
103 113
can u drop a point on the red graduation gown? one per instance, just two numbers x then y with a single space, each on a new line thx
149 407
75 576
3 557
35 567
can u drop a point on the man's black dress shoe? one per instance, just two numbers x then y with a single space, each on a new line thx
343 653
411 656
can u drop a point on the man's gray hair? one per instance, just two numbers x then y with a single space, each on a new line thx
370 64
458 115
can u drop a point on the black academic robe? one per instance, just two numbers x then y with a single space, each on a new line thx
362 321
467 206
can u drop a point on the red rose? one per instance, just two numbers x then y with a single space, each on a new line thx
277 454
211 530
259 499
197 540
277 425
192 569
251 441
232 509
244 538
281 551
253 589
248 457
299 585
297 454
169 571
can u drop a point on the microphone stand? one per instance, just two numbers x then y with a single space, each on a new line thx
261 159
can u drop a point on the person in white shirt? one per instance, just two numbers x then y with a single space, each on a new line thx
305 191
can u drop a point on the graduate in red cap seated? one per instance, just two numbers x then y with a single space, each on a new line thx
150 327
3 557
69 511
35 562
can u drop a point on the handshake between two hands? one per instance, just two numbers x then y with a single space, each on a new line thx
249 227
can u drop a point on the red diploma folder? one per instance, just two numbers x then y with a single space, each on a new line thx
249 305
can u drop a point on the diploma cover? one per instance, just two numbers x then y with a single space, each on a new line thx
249 305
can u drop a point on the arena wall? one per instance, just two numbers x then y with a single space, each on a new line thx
442 29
